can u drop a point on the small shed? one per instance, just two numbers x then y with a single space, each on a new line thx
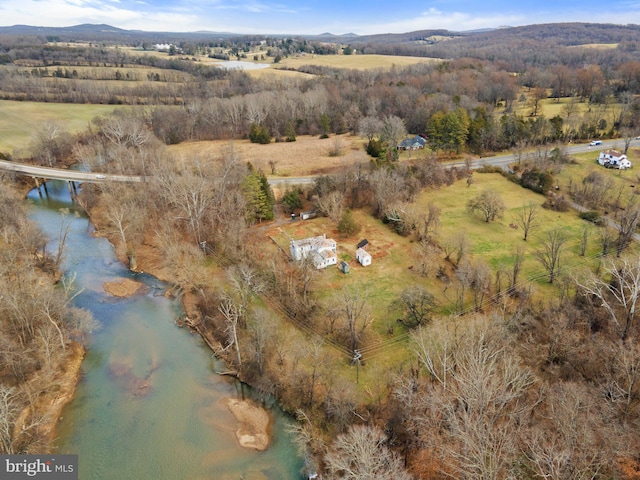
308 215
363 244
363 257
344 267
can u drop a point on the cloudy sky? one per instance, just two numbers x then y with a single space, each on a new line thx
313 16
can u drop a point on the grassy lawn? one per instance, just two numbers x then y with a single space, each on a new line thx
393 255
496 242
18 120
586 163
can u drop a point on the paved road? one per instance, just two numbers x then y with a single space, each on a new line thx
503 160
498 160
63 174
96 177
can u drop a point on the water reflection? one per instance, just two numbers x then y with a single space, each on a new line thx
148 405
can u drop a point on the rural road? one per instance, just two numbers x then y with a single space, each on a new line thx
97 177
64 174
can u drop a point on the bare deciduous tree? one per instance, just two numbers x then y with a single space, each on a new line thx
550 254
527 219
488 205
392 132
627 223
584 240
361 454
352 307
231 314
606 240
480 282
369 127
427 258
428 222
617 290
417 305
518 260
331 204
478 393
246 283
623 385
191 191
570 443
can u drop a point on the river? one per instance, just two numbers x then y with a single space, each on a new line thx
149 404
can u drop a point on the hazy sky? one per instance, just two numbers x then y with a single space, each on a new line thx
313 16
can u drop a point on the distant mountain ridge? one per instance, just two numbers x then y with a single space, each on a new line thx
568 34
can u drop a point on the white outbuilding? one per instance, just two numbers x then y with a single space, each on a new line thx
363 257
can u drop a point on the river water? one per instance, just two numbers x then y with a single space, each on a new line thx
149 404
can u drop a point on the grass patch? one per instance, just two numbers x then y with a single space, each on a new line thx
496 242
19 120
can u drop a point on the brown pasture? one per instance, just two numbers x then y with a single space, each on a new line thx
306 156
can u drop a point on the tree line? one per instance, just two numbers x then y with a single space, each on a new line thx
41 331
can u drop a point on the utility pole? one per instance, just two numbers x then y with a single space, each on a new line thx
356 359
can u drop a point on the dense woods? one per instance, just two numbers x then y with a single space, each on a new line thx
501 383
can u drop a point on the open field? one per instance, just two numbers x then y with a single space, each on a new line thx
18 120
278 74
597 46
360 62
296 61
549 107
129 72
306 156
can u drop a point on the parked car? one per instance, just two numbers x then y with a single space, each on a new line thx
100 177
595 143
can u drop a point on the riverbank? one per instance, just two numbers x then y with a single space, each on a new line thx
42 379
254 430
63 390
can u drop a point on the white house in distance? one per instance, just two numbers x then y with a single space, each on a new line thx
363 257
320 249
614 159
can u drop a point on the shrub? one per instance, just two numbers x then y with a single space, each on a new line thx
259 134
536 180
559 203
375 148
291 201
348 225
592 216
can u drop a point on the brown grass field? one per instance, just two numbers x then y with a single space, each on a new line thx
360 62
306 156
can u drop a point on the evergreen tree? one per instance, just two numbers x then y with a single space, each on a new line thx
290 131
260 199
259 134
348 225
325 125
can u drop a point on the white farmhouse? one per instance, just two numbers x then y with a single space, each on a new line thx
321 250
363 257
614 159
